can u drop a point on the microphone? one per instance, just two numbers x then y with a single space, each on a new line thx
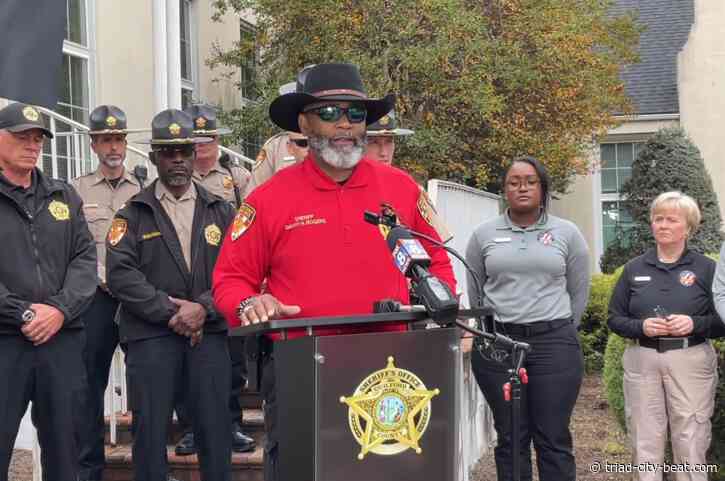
412 260
141 173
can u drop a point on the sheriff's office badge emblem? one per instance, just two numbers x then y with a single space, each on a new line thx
384 120
213 234
116 232
687 278
389 411
242 221
59 210
228 182
261 157
111 121
546 238
425 207
31 114
175 129
200 123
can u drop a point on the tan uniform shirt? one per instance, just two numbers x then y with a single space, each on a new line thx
220 183
273 157
100 203
181 213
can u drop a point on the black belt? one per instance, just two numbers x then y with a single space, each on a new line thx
664 344
532 328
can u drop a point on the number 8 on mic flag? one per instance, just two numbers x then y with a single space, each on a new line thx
31 35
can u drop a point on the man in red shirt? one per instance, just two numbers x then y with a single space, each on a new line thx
315 250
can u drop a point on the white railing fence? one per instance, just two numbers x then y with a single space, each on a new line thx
463 208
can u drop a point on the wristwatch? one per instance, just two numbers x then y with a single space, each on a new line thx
28 315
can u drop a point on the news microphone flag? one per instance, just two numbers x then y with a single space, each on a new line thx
408 252
31 35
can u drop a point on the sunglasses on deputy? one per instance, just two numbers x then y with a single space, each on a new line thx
333 113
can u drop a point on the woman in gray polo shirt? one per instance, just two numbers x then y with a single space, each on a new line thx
534 269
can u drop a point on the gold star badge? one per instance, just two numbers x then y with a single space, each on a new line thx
59 210
31 114
200 123
385 120
389 411
111 121
213 234
175 129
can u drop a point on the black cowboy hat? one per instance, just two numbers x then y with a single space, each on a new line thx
173 127
107 119
327 81
204 117
387 126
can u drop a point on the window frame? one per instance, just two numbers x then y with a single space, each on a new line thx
189 85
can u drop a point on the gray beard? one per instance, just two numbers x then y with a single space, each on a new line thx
112 163
345 158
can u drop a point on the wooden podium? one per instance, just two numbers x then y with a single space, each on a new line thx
361 407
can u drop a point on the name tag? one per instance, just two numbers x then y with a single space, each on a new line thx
90 205
642 278
500 240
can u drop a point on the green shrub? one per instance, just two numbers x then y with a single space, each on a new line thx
613 375
594 331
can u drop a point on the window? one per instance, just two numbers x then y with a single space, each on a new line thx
616 169
188 55
248 62
68 155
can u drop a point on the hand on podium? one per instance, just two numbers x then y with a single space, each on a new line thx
264 308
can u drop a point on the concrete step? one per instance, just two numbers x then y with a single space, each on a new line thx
253 422
245 466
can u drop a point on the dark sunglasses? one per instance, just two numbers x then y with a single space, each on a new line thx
304 143
185 150
333 113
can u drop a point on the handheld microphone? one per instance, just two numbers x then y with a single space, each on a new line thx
412 260
141 173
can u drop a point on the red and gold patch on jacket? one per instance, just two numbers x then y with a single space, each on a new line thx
243 220
117 231
687 278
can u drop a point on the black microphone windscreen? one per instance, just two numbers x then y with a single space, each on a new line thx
397 233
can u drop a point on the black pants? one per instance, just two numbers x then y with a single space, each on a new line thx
238 369
101 342
269 394
160 370
52 377
555 367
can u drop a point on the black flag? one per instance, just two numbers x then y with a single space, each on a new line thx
31 50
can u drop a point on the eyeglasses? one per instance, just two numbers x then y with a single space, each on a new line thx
515 184
333 113
302 143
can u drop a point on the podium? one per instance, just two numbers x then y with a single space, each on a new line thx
377 406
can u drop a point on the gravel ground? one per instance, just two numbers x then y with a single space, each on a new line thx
597 438
21 466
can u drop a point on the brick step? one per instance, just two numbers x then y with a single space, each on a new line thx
253 422
245 466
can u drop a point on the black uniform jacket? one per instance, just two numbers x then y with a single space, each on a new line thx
47 256
684 287
146 265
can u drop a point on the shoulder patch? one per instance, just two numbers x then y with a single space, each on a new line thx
228 182
243 220
117 231
429 213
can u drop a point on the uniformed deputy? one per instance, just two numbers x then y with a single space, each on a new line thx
214 170
103 191
316 252
381 147
47 279
218 181
282 149
534 268
663 303
162 247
